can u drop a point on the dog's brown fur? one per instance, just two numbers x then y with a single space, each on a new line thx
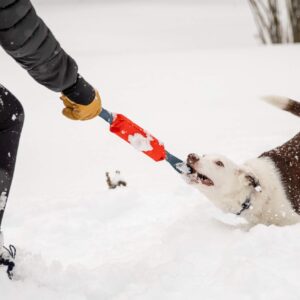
287 160
263 190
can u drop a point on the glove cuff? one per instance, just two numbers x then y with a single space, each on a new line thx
81 92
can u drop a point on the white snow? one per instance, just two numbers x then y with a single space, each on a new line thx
183 168
140 142
116 177
191 74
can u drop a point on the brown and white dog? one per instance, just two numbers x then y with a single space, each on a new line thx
263 190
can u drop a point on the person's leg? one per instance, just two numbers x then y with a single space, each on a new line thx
11 123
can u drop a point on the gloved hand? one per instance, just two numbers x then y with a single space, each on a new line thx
75 111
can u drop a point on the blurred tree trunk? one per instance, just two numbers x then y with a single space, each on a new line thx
272 26
293 8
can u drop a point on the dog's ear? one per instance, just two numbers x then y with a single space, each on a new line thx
254 182
250 179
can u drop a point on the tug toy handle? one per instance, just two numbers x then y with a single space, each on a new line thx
141 140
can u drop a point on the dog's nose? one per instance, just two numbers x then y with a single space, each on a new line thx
192 158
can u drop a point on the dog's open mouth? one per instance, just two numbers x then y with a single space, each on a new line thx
204 179
200 178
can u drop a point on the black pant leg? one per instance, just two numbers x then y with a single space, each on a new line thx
11 123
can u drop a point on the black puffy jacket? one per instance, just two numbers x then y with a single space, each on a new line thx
26 38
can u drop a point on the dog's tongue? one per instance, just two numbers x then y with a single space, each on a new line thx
207 182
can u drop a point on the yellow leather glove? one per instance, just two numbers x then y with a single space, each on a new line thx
81 112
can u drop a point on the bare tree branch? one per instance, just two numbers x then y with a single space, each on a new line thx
270 21
260 22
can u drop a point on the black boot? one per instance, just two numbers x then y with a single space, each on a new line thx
7 257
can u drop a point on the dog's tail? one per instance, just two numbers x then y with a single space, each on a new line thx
284 103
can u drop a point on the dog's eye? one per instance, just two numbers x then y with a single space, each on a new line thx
219 163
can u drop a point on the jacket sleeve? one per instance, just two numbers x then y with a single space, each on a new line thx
26 38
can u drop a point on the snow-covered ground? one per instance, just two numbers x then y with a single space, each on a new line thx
191 74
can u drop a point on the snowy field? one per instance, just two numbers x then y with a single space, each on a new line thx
192 75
